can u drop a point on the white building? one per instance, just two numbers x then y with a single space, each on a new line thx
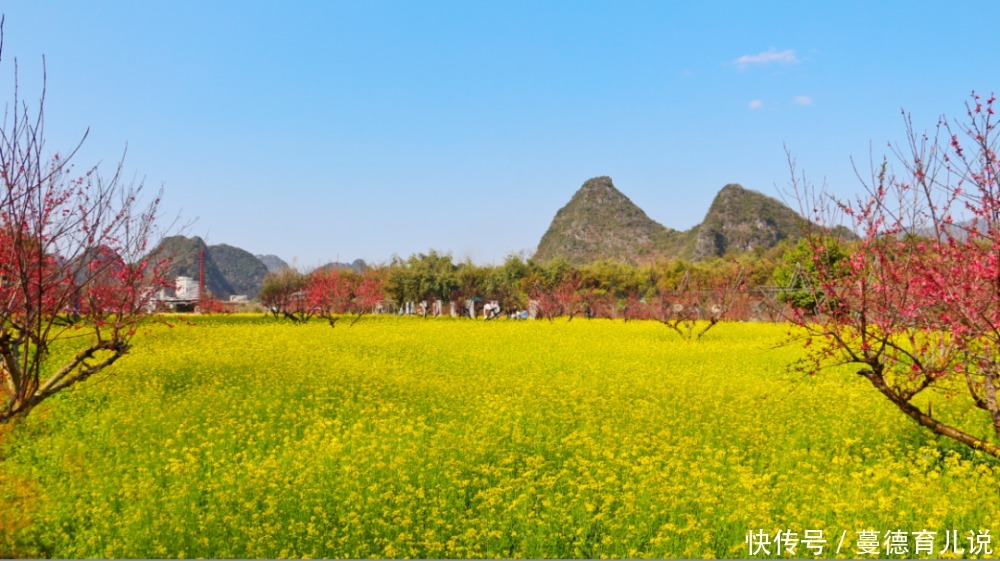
186 288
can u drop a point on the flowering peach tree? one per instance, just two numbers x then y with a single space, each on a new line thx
915 304
74 270
331 293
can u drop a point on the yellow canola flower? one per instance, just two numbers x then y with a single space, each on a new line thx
244 437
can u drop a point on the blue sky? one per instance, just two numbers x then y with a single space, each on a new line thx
324 130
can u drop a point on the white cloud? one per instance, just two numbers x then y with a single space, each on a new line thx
802 100
756 104
767 57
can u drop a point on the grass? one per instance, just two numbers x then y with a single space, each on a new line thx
401 437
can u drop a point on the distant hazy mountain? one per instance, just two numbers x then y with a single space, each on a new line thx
272 262
228 270
600 222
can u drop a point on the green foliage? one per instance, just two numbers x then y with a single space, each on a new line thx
432 275
615 278
796 276
504 283
422 277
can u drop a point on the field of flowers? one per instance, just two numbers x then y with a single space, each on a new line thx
402 437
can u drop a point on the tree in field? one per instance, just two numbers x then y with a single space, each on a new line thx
918 307
597 303
698 300
634 307
614 289
331 293
73 265
283 294
561 298
470 283
503 283
368 292
421 277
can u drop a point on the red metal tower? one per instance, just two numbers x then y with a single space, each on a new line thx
201 278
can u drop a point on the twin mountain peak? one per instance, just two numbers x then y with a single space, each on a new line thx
601 223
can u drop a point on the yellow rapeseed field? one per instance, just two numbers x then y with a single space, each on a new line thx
402 437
